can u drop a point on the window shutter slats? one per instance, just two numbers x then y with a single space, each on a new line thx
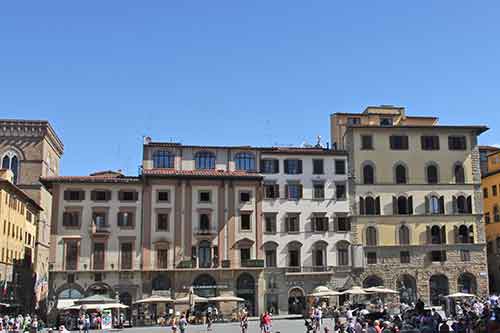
361 206
66 195
394 205
286 191
410 205
300 166
441 205
469 205
276 166
285 163
377 206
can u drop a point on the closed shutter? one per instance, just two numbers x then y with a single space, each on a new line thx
443 234
455 207
81 195
427 205
469 205
108 195
136 195
394 205
410 205
361 206
301 187
405 142
377 206
66 195
120 219
300 166
276 191
286 191
66 218
441 205
285 163
335 224
93 195
276 166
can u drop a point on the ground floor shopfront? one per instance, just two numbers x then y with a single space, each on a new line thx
128 287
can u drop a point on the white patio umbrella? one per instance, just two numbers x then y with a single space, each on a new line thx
115 306
380 290
330 293
356 290
155 299
226 299
195 298
460 295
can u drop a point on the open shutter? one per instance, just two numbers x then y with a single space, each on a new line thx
441 205
136 195
66 218
427 205
335 223
276 190
285 163
286 191
410 205
455 232
120 219
66 195
93 195
81 196
455 205
301 189
276 166
300 166
108 195
469 204
377 206
193 252
471 234
428 233
443 234
361 206
394 205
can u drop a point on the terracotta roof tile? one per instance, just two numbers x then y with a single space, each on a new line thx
89 179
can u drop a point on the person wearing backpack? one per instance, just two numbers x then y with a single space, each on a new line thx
183 323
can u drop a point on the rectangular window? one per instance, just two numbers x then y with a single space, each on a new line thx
294 191
320 223
318 167
29 216
340 192
244 255
162 258
292 223
485 193
71 219
487 218
163 196
343 224
429 142
271 191
438 256
71 255
269 166
366 142
271 258
457 142
245 222
128 196
244 196
126 255
98 255
125 219
270 223
162 222
340 167
100 195
494 190
294 258
353 121
404 257
204 196
399 142
293 167
74 195
385 121
371 258
318 191
464 255
99 219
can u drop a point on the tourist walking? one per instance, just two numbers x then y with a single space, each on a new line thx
244 321
267 322
183 324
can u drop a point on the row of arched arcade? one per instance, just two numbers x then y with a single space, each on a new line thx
438 286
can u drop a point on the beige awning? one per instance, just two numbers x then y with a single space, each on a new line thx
155 299
65 303
226 299
185 300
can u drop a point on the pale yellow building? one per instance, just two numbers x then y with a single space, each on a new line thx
18 220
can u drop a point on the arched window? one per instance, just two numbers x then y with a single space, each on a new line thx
463 204
319 253
373 281
368 174
371 236
432 174
70 293
245 161
204 160
11 162
467 283
407 287
435 204
404 235
437 234
403 205
458 171
464 234
439 287
342 253
163 159
400 176
205 286
161 282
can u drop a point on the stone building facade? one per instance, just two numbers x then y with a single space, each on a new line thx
32 149
416 203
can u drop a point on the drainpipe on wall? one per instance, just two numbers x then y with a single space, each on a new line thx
141 240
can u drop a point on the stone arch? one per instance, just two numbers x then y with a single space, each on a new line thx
438 288
246 289
78 291
101 288
205 285
430 177
467 283
400 171
373 281
296 300
407 287
368 172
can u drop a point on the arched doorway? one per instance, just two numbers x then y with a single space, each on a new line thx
205 286
101 289
373 281
296 301
245 288
407 287
126 298
467 283
439 287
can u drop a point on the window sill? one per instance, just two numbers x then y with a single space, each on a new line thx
270 232
132 227
293 232
72 227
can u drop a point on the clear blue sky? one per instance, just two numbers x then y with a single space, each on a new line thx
105 73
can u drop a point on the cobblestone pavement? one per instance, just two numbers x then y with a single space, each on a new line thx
282 326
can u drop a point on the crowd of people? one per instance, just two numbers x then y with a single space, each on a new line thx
21 323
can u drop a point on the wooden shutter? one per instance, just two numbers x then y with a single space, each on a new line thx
429 235
469 204
361 206
120 195
193 252
335 224
66 195
285 163
276 190
455 233
394 205
422 142
410 205
93 195
108 195
136 195
276 166
377 206
441 205
301 190
120 219
286 191
471 234
443 234
300 166
81 195
427 205
66 218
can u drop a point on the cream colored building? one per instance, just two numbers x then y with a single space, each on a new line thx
19 216
416 202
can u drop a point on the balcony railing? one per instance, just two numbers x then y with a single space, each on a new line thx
312 269
205 231
99 229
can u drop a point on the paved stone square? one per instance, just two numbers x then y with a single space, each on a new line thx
283 326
